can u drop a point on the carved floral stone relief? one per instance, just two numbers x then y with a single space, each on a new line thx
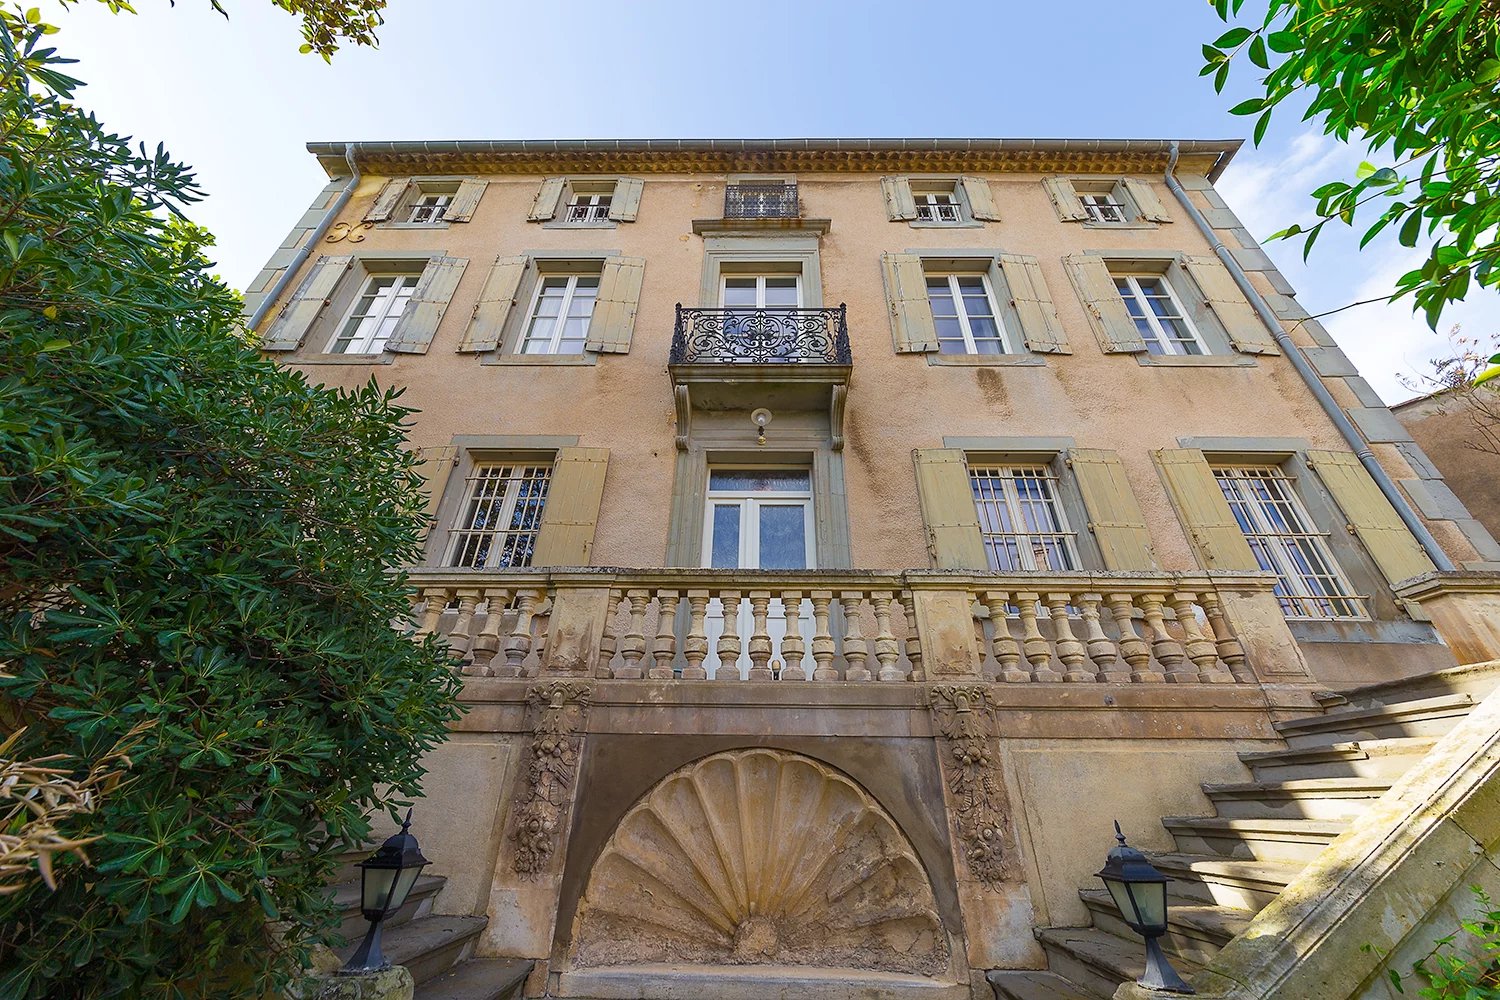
558 710
963 719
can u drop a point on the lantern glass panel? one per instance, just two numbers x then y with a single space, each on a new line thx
404 881
375 891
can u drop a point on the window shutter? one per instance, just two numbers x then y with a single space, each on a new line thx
461 208
387 200
487 324
981 201
899 204
1112 324
615 308
1371 515
625 203
1246 331
1204 512
906 294
1115 517
1064 199
429 300
566 537
1146 201
306 303
948 509
1028 293
547 197
434 465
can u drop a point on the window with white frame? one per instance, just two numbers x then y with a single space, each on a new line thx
938 205
1102 206
501 515
1158 314
1020 518
1310 583
429 207
964 313
374 314
589 206
561 308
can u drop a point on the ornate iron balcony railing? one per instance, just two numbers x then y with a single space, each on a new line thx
760 201
761 336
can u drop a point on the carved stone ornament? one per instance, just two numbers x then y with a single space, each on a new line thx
963 718
760 857
551 771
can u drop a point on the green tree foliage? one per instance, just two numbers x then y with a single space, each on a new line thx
1419 82
194 549
324 22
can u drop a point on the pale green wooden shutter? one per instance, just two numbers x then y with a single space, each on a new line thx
435 465
547 197
1064 199
1115 517
487 324
461 208
615 308
906 294
625 203
1108 316
387 200
566 537
1146 201
1203 511
900 206
429 300
1241 322
306 303
948 510
1371 515
981 201
1028 293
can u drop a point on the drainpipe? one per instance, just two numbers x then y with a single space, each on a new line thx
1310 376
312 240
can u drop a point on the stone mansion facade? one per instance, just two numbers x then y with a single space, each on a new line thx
836 536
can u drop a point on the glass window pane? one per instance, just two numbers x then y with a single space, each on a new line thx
725 548
783 536
760 480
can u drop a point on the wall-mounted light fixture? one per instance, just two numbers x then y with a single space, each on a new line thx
760 417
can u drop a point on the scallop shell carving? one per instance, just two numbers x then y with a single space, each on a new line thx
760 857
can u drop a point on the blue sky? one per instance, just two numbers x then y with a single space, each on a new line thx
235 99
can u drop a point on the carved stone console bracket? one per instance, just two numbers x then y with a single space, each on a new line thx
964 723
558 709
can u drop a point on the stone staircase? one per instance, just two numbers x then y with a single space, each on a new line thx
1264 831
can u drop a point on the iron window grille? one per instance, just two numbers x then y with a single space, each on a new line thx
761 201
749 336
429 208
589 208
1021 522
1102 208
937 206
501 516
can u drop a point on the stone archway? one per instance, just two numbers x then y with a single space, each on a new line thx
760 857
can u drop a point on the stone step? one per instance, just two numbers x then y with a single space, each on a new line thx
418 904
1195 930
1431 717
1098 961
479 979
1305 798
1259 839
427 946
1387 759
1023 984
1477 679
1246 885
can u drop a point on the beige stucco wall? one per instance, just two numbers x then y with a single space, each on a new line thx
1444 428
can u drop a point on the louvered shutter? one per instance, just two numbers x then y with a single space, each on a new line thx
1146 202
1370 514
429 300
1115 517
306 303
948 510
386 201
1028 293
465 201
625 203
1203 511
547 197
906 294
981 201
434 467
900 206
1241 322
566 537
615 308
1064 199
1115 330
487 324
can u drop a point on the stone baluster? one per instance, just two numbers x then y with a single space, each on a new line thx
1002 643
461 636
695 648
822 643
856 653
886 651
1168 652
1101 650
1069 649
609 642
729 642
793 646
907 612
1132 647
434 603
664 649
1199 647
633 646
540 628
760 637
1038 650
487 642
518 645
1231 651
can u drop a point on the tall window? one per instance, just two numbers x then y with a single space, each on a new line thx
374 314
1281 534
585 207
1158 315
560 314
1020 520
501 515
963 309
1102 206
429 207
937 206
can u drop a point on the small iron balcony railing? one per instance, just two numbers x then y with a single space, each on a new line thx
588 213
938 213
760 201
761 336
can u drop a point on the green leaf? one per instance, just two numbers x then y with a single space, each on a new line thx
1257 52
1365 169
1234 36
1410 230
1249 107
1261 124
1284 41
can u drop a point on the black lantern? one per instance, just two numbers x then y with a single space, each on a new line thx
1140 893
385 880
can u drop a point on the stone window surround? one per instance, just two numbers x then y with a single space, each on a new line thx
1168 263
1095 184
543 263
981 260
792 254
415 188
366 263
929 181
593 185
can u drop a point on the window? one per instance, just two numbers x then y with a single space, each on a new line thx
374 314
501 515
761 291
583 207
429 208
1102 207
963 311
1020 519
560 314
1281 534
1157 315
938 206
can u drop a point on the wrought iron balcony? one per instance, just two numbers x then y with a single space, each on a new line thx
761 336
760 201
